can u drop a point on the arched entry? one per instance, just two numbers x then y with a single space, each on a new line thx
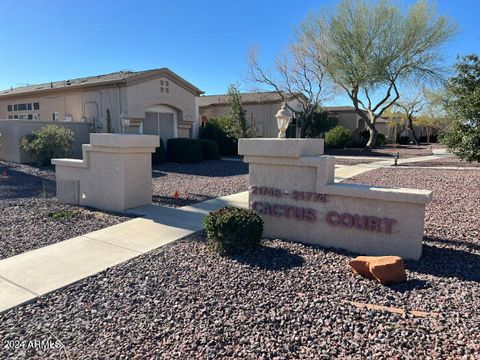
161 120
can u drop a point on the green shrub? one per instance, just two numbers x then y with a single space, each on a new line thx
217 130
338 137
210 149
159 156
381 140
184 150
47 143
403 140
233 231
319 123
63 214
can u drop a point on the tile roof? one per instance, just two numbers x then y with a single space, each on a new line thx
247 98
116 77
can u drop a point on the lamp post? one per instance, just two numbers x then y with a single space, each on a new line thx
283 119
125 121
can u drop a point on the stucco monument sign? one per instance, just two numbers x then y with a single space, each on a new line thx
292 188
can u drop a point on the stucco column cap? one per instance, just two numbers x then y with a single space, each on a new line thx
125 140
289 148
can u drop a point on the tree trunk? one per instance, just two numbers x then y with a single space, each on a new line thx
410 127
428 135
372 138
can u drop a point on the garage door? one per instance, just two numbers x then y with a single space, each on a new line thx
162 124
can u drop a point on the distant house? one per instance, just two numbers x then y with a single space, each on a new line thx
261 108
349 118
155 101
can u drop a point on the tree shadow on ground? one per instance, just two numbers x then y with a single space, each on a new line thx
447 263
17 184
470 245
270 258
173 202
208 168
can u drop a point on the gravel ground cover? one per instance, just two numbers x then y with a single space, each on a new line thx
406 151
197 182
30 216
449 161
284 301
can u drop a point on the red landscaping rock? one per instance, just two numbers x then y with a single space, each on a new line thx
384 269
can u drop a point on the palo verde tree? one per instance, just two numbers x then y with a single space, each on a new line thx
297 75
370 48
463 108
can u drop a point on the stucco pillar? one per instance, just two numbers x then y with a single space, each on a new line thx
115 173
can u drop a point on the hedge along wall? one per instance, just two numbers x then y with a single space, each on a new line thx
13 132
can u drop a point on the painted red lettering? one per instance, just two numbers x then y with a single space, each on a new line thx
373 224
333 218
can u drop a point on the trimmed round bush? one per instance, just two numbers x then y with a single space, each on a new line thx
159 156
51 141
338 137
210 149
233 231
184 150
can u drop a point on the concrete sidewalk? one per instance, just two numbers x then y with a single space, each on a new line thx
34 273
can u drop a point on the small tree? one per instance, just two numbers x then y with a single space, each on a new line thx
462 136
47 143
298 76
410 108
319 123
236 113
368 51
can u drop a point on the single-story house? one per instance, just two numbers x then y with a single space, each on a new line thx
261 108
154 101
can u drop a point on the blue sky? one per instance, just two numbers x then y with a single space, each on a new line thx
206 42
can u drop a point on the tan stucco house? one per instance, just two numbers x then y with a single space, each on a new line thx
156 102
261 108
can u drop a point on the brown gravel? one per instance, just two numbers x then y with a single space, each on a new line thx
284 301
449 161
197 182
27 203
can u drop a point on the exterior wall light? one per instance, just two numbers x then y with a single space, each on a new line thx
284 116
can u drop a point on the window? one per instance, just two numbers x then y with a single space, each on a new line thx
9 107
161 88
30 117
166 90
15 116
23 117
10 117
15 107
55 116
36 106
29 106
22 107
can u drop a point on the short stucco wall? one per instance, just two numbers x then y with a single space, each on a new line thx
13 131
